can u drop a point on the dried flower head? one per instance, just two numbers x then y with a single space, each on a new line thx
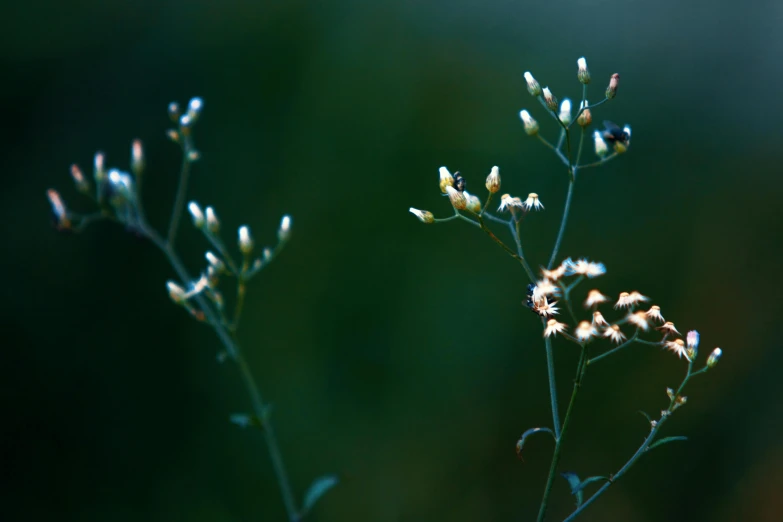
585 331
598 319
627 300
615 334
668 328
639 319
553 328
587 268
677 346
554 274
507 203
654 313
594 297
532 202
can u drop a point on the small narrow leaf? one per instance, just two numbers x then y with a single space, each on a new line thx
573 481
646 416
661 442
244 420
531 431
317 489
579 487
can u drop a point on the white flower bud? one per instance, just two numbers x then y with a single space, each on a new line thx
176 292
601 148
533 87
582 73
457 198
284 232
196 214
79 180
174 112
423 215
446 179
214 261
714 357
100 169
245 241
213 223
531 125
550 99
194 109
493 180
565 111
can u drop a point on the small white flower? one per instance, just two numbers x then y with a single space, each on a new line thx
585 331
532 202
627 300
655 313
582 73
553 327
677 346
668 328
545 309
544 288
639 319
615 334
594 297
507 202
598 319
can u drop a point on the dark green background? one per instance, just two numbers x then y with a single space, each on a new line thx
396 354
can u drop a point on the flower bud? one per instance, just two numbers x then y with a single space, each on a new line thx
585 116
474 203
446 179
601 148
614 81
457 198
493 180
714 357
58 209
531 125
137 158
582 73
196 214
284 232
565 111
533 87
550 99
692 344
99 172
423 215
176 292
78 179
670 393
214 261
213 223
185 124
245 241
194 109
174 112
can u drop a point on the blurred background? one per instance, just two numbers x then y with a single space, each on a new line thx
396 354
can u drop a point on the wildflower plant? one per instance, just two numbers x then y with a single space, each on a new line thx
632 319
117 196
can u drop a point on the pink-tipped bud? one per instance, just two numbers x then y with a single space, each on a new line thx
585 116
99 172
550 99
137 158
614 81
58 209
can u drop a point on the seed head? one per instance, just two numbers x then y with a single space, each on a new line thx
553 328
598 319
508 203
677 346
614 333
639 319
654 313
594 297
585 331
668 328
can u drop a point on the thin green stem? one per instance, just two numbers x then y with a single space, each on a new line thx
626 344
563 223
580 372
598 163
514 228
182 189
550 366
555 149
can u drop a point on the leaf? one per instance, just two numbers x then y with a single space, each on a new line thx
244 420
574 482
531 431
317 489
579 487
661 442
646 416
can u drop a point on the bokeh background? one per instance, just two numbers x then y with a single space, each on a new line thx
398 355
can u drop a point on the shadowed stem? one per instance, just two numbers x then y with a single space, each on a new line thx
580 372
642 449
550 366
182 188
563 223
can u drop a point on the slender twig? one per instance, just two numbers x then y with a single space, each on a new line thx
555 149
643 448
598 163
563 223
550 366
182 189
580 372
627 343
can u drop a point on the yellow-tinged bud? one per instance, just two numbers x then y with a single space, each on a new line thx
493 180
474 203
457 198
424 215
446 179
